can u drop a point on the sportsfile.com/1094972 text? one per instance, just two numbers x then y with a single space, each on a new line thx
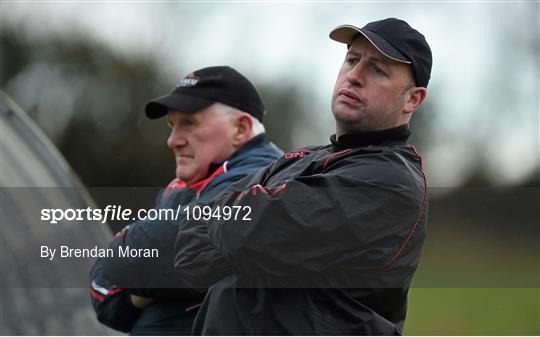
119 213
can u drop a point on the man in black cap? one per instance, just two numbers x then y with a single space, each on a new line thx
336 230
217 137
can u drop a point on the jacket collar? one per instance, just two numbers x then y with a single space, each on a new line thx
393 136
252 143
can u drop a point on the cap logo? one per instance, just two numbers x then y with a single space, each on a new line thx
189 81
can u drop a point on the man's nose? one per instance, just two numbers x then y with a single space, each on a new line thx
356 75
176 139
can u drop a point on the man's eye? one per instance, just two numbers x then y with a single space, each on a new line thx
187 122
352 61
378 70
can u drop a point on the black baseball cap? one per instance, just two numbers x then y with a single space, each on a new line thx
396 40
206 86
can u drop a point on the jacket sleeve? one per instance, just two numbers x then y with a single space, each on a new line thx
112 305
331 227
198 263
153 277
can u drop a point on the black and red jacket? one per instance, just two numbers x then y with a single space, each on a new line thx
331 248
113 280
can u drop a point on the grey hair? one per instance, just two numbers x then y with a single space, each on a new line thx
225 110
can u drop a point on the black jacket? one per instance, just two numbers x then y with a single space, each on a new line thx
331 248
113 280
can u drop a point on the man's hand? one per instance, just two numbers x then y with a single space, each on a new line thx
141 302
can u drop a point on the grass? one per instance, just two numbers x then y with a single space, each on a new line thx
473 311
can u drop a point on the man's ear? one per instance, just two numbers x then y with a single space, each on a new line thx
414 98
243 125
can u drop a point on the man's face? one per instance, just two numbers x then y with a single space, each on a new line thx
199 139
370 91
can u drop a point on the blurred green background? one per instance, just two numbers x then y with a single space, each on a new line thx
473 311
83 72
